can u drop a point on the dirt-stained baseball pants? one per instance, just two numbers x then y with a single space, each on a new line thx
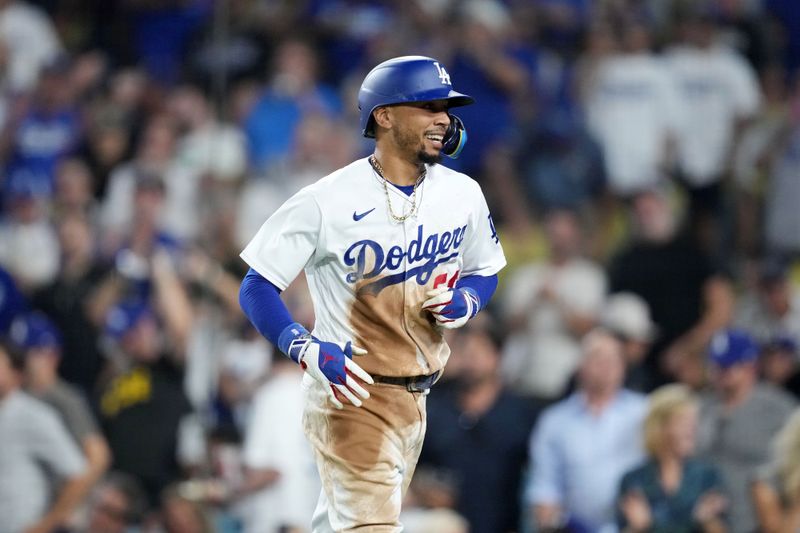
365 455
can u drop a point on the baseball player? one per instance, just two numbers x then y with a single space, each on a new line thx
396 249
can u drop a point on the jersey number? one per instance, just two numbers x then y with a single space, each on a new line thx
442 278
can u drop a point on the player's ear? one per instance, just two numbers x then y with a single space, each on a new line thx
383 117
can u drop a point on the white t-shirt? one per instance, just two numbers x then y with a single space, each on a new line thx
274 439
368 274
632 109
716 88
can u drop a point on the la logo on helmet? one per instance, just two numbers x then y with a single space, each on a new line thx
443 75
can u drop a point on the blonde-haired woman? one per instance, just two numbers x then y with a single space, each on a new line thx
776 491
671 491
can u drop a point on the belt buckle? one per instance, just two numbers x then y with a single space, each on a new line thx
412 385
421 384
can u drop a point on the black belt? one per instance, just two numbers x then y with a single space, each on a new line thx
412 384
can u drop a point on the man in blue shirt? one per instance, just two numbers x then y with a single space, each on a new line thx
581 446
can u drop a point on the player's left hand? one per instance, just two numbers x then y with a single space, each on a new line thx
452 307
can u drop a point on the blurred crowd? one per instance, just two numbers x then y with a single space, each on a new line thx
638 369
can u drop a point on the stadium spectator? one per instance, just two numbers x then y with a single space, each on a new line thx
479 432
42 471
294 90
738 418
141 396
672 490
65 301
45 129
720 92
581 446
549 306
689 298
495 70
278 463
633 110
41 344
155 161
28 243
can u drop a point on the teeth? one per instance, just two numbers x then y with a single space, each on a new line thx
435 137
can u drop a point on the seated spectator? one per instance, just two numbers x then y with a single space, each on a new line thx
672 491
478 431
738 418
776 489
582 446
42 471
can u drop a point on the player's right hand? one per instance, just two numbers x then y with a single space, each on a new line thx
332 364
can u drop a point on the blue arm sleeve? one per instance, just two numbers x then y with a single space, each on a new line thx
261 302
483 286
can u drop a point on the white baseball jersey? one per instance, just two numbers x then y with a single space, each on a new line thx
368 274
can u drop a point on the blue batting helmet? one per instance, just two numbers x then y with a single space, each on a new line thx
411 79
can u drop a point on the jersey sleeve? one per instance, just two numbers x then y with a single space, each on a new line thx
287 240
483 254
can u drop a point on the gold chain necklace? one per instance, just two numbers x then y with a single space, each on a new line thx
401 218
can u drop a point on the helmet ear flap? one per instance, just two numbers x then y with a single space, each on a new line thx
454 138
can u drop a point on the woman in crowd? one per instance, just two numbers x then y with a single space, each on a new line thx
776 491
671 491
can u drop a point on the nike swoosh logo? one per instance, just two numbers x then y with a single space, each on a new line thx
359 216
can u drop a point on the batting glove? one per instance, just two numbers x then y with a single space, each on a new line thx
331 364
452 307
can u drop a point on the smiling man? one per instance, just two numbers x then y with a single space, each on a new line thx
396 249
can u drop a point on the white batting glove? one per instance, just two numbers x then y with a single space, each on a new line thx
451 308
332 365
